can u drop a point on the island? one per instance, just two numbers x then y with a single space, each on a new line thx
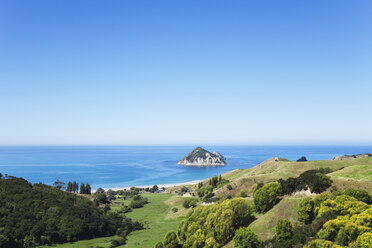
203 158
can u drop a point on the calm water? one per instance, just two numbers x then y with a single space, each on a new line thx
123 166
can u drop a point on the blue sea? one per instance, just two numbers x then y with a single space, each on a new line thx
124 166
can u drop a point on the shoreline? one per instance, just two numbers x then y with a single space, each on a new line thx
167 185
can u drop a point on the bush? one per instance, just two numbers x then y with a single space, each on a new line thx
218 221
242 193
189 202
102 198
245 238
364 240
138 202
229 187
283 230
267 196
171 240
359 194
306 211
174 210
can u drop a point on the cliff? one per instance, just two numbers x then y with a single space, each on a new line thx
202 157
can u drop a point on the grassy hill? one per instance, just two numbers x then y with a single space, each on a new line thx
355 173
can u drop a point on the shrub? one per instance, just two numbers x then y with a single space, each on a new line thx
218 221
321 243
189 202
245 238
359 194
306 211
267 196
283 230
229 187
364 240
174 210
170 240
242 193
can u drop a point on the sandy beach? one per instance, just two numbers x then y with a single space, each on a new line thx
159 185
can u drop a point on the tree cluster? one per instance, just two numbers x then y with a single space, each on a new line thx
214 225
34 215
206 191
315 180
74 188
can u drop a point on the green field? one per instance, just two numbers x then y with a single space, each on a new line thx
157 217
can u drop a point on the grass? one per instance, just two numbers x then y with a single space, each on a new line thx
264 225
157 216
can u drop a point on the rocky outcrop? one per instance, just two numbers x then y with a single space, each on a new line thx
346 157
202 157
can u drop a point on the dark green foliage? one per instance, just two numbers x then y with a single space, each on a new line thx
138 201
58 184
154 188
302 159
174 210
306 211
171 240
359 194
34 215
245 238
315 180
229 187
102 198
82 188
99 191
283 230
189 202
206 192
267 196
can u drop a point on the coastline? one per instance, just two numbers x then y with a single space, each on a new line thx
168 185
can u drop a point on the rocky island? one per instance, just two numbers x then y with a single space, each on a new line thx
202 157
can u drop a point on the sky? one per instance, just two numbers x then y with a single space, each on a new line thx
79 72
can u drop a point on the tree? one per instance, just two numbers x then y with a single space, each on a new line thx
82 188
88 190
102 198
283 230
245 238
266 197
59 185
69 187
99 191
170 240
302 159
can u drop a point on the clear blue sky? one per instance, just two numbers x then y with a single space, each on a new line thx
185 72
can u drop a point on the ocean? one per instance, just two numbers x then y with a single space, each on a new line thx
125 166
